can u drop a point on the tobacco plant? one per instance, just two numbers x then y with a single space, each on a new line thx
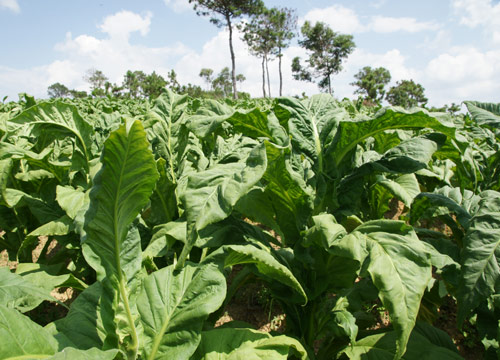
153 205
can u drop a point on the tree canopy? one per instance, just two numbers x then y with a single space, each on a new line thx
327 49
407 94
58 90
97 80
370 83
222 13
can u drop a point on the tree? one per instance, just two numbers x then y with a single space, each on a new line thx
153 85
452 109
222 83
78 94
284 22
192 90
258 35
266 35
172 82
97 80
58 90
222 14
132 82
113 90
327 49
407 94
371 83
207 75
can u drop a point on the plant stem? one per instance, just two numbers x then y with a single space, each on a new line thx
134 345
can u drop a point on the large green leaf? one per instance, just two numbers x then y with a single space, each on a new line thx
264 262
256 206
111 245
58 168
164 236
484 113
289 196
82 327
49 277
404 187
61 226
312 125
211 194
259 125
399 267
425 342
480 274
406 158
173 306
121 189
60 118
18 293
5 173
76 354
163 201
208 118
444 201
71 200
21 338
239 344
325 261
351 133
164 126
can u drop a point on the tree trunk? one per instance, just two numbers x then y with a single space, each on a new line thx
279 69
268 82
329 85
263 78
233 63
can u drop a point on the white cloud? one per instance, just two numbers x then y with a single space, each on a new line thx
485 13
378 4
178 5
12 5
215 55
338 17
113 54
451 76
464 73
437 41
393 60
123 23
345 20
384 24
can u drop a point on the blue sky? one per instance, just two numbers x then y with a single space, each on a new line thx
451 47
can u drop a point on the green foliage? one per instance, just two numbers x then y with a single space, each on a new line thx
327 49
407 94
57 90
267 34
154 203
222 14
97 81
371 82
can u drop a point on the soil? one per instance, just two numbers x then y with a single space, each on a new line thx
470 347
47 311
4 261
253 304
396 209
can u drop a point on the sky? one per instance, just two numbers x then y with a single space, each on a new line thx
450 47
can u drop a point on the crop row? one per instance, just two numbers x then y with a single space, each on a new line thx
153 204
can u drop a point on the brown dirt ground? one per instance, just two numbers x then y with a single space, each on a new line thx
47 311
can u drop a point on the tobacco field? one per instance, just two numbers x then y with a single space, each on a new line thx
360 224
